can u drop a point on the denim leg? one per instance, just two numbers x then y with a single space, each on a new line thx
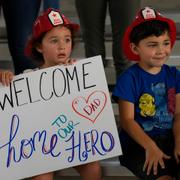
19 16
92 15
51 3
122 12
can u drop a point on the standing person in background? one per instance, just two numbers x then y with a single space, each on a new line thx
51 3
92 15
51 44
19 17
148 94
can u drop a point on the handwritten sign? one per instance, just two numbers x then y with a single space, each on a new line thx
56 118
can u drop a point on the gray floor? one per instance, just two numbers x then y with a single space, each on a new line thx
105 178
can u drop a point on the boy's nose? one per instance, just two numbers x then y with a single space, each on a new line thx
160 49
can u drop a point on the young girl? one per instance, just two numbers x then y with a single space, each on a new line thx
51 44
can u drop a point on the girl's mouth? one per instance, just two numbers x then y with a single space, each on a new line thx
62 55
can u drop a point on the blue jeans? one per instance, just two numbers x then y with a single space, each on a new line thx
92 14
51 3
19 17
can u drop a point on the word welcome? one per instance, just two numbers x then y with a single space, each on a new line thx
20 91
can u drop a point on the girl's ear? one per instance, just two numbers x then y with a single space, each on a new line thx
39 48
134 48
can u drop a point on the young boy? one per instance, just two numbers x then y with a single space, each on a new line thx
148 94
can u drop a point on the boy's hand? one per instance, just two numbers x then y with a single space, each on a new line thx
6 77
177 153
154 156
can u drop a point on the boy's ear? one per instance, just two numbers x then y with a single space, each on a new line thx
39 48
134 48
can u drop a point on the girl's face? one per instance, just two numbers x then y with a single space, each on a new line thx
153 52
56 46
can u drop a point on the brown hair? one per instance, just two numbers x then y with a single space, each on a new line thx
37 56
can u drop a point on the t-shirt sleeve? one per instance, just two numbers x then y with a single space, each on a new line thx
125 88
178 82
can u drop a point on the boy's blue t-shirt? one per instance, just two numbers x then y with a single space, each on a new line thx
152 95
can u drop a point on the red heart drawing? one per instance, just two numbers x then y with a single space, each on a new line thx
91 107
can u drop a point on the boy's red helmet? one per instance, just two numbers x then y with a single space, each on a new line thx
45 22
145 14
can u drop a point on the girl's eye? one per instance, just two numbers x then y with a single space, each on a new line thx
54 41
68 40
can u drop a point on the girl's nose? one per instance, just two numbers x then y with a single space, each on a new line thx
61 45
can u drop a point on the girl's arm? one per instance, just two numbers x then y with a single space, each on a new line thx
176 129
6 77
154 155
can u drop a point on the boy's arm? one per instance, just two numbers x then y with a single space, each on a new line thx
6 77
176 129
154 155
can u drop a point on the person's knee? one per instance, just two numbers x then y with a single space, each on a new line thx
90 171
95 168
46 176
166 177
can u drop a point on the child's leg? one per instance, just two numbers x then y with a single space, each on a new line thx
47 176
90 171
165 178
134 157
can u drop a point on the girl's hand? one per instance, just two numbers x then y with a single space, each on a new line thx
70 61
154 156
6 77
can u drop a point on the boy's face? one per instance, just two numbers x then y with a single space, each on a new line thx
56 46
153 51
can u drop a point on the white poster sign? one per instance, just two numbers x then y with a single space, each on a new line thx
56 118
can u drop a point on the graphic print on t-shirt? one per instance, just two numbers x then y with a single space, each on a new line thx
157 107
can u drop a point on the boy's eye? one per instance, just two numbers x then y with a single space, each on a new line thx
54 41
152 45
167 43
